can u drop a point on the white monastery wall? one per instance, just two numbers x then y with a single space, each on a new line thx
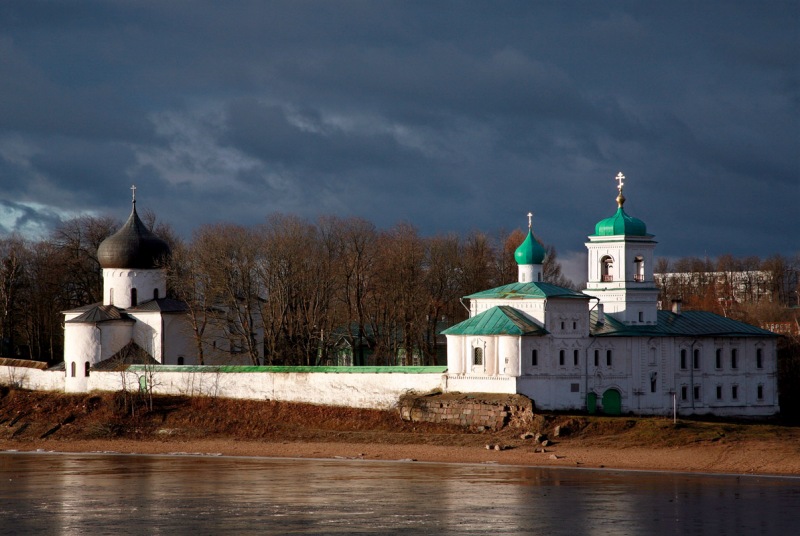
475 383
361 390
32 378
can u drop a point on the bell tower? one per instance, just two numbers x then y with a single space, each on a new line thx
621 266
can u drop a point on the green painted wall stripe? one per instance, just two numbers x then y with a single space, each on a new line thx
247 368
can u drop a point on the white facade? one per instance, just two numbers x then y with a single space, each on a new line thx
125 288
621 275
609 348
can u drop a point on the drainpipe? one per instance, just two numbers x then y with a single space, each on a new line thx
586 360
691 368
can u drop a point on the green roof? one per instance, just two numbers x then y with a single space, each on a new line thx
620 224
528 291
500 320
530 251
290 369
686 324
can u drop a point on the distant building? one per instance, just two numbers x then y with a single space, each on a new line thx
609 348
732 286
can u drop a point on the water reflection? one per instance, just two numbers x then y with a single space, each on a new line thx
174 495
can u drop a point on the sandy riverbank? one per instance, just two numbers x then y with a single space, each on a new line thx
739 458
31 421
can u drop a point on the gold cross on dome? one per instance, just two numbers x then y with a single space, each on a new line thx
530 216
133 189
620 178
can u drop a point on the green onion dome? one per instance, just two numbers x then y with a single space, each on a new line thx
620 224
530 251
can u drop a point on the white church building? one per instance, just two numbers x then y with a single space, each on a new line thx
609 348
135 323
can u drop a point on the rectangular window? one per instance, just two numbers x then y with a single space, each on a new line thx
718 359
684 392
683 359
641 316
760 392
597 358
562 325
575 387
574 325
733 358
696 392
561 358
608 358
696 359
759 359
735 392
534 358
575 357
719 392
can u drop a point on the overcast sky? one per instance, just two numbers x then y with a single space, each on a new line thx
452 116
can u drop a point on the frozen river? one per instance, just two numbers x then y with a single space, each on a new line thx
175 495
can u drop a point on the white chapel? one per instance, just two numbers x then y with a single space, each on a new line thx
135 323
609 348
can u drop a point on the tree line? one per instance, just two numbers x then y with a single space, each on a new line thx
749 289
309 289
306 288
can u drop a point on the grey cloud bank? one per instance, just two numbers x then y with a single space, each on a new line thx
450 115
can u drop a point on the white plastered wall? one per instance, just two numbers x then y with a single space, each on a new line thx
118 282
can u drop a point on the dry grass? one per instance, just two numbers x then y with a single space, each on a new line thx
26 415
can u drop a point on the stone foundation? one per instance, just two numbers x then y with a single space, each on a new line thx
479 411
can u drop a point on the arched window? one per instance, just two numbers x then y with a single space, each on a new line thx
111 296
72 368
180 360
606 268
86 369
561 357
134 300
477 356
759 358
534 357
696 359
155 293
638 274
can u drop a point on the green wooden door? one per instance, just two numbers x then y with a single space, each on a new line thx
591 403
612 402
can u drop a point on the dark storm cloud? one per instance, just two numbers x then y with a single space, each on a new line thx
449 115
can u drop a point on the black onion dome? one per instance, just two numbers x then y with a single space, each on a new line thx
133 246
